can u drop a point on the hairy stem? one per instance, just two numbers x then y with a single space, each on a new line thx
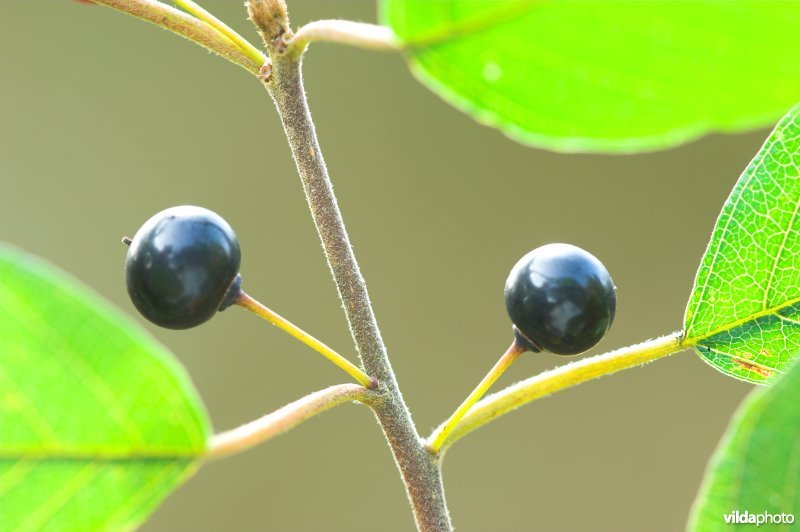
419 469
420 472
192 28
562 377
284 419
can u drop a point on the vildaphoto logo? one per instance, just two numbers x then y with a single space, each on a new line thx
764 518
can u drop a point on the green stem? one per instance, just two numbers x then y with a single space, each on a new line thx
560 378
444 430
190 27
247 302
284 419
198 11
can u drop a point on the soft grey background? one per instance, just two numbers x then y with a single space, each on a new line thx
105 120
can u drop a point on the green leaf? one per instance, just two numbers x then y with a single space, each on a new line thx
757 465
744 313
612 76
98 422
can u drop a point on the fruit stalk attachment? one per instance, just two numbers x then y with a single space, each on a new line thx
247 302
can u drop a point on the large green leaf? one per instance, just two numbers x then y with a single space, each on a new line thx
98 423
611 76
744 312
756 468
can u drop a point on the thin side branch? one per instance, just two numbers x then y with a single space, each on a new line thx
190 27
199 12
562 377
284 419
443 432
357 34
247 302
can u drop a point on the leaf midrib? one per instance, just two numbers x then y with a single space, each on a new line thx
691 341
128 455
470 26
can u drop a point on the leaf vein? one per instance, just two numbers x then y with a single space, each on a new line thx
45 512
780 252
81 369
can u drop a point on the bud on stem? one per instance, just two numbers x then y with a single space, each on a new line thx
271 17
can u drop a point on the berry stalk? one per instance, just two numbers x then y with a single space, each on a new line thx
247 302
444 430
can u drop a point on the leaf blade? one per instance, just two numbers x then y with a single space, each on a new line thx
744 312
104 495
742 475
91 407
649 75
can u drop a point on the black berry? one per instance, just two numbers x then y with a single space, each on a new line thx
183 266
560 299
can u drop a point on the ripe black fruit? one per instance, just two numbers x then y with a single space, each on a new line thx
183 266
561 299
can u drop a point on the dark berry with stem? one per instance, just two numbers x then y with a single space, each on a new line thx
183 266
561 299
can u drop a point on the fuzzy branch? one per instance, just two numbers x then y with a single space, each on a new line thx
418 467
190 27
284 419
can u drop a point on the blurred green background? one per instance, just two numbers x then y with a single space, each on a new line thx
105 120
